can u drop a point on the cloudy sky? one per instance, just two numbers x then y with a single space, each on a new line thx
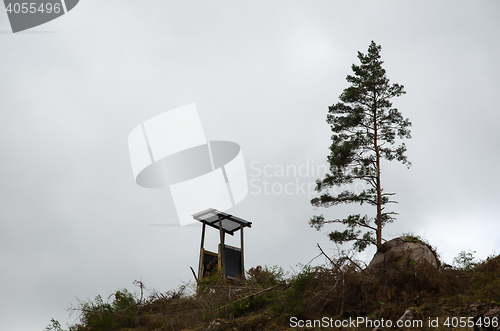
73 223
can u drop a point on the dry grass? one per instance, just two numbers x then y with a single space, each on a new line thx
268 299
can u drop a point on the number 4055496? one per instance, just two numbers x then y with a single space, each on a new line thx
470 322
32 8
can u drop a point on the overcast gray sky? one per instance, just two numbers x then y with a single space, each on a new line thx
73 223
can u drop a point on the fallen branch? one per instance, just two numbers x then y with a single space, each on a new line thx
346 256
333 263
357 265
194 274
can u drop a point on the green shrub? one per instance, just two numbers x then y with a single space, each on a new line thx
304 279
465 260
99 315
485 283
266 277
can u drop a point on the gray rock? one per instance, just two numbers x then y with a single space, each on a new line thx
401 252
407 316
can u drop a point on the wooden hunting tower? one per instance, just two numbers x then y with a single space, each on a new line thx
228 259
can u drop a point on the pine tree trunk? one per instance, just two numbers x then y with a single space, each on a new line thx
377 165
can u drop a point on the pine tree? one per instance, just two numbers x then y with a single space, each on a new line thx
364 126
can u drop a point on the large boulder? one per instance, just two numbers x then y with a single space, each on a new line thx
400 253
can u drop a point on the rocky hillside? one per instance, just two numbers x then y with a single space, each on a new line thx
342 295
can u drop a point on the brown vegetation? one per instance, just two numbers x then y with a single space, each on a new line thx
268 299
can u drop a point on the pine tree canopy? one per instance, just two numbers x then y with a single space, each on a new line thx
365 130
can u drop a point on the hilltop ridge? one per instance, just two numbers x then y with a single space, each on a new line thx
330 297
